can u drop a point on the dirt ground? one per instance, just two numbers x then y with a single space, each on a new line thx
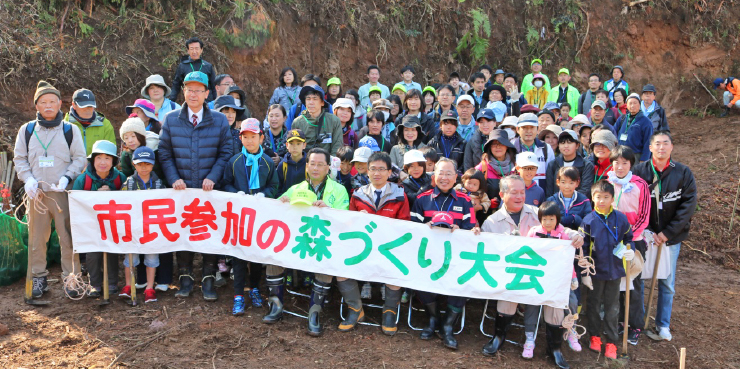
191 333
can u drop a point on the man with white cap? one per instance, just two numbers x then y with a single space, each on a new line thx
194 147
156 91
466 107
93 125
634 129
527 141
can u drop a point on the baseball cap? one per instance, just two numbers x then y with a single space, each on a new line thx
198 77
399 86
430 89
510 121
526 159
413 156
250 125
649 88
303 196
84 98
362 154
486 113
375 89
580 118
442 219
718 81
467 98
295 134
563 70
333 81
344 103
568 132
499 71
370 143
449 115
527 119
535 61
143 154
598 103
551 105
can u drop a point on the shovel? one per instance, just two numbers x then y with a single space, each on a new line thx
28 297
132 270
106 288
652 287
627 283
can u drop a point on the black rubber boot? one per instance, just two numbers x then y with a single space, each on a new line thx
276 287
448 327
390 311
554 336
434 321
318 293
208 288
725 113
503 322
351 293
186 283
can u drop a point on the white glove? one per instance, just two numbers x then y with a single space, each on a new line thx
31 187
240 193
586 281
629 255
514 94
259 194
61 186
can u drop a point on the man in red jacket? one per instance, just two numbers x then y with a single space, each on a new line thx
387 199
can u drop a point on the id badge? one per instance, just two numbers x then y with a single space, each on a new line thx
660 205
619 250
327 139
623 137
46 161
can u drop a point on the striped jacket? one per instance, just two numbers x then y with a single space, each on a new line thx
454 203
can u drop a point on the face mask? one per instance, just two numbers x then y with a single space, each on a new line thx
510 132
386 115
538 84
238 102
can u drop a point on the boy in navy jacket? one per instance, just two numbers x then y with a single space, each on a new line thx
608 236
292 168
250 172
574 206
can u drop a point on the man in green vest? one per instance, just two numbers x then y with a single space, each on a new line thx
564 92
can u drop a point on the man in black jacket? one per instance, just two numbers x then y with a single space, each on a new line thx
191 63
673 201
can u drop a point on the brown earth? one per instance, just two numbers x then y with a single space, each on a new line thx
194 334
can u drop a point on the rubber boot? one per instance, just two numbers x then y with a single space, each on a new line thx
725 113
448 327
554 334
434 321
186 283
503 322
390 311
276 288
318 293
351 293
208 288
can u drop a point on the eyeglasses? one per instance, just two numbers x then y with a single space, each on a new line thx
195 91
377 170
445 95
317 165
227 84
445 174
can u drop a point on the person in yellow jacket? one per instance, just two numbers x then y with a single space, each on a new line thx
564 92
537 96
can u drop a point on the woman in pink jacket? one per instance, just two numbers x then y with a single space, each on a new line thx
631 197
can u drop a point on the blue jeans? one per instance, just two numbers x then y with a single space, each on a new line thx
666 290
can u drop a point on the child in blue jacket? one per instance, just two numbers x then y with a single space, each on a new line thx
574 206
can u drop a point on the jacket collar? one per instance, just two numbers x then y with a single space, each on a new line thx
207 116
611 210
437 192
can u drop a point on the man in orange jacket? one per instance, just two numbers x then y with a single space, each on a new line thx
731 96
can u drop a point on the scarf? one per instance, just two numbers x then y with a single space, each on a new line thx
625 182
84 122
502 168
49 123
648 110
252 160
466 130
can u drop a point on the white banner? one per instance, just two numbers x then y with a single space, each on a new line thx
335 242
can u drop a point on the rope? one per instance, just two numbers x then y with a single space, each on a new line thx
569 323
586 263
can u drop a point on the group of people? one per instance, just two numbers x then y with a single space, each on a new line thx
492 156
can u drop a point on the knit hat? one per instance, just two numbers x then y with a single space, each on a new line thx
604 137
43 88
135 125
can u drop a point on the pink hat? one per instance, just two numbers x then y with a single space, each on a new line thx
250 125
538 75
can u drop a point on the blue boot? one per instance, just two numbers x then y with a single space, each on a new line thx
238 306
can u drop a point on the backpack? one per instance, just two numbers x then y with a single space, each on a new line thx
67 127
88 182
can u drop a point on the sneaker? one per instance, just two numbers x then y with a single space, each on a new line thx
39 287
528 351
140 286
405 298
573 341
663 334
125 292
112 289
289 281
367 291
256 298
633 336
93 293
238 306
150 295
162 287
73 294
222 267
611 351
382 293
595 344
220 280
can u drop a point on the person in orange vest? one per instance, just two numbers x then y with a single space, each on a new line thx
731 96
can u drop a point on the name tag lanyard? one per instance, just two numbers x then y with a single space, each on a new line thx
46 147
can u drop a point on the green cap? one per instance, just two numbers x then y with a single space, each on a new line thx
333 81
399 86
430 89
535 61
302 196
563 70
375 88
196 76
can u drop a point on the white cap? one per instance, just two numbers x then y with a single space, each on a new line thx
467 98
344 103
362 154
580 118
527 159
413 156
510 121
527 119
